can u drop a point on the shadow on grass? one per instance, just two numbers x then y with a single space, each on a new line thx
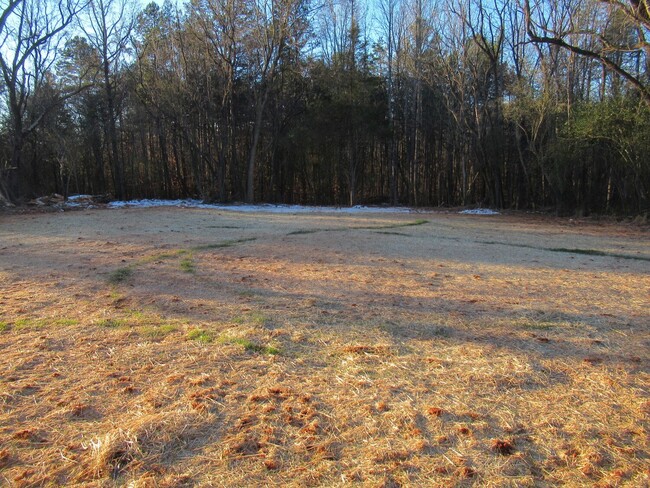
123 274
587 252
375 227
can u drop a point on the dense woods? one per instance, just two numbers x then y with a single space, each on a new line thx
536 104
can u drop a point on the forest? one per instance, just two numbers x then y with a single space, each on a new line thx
529 104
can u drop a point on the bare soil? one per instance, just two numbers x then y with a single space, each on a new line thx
193 347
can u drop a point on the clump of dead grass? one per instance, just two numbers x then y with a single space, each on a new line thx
138 444
376 350
5 457
112 453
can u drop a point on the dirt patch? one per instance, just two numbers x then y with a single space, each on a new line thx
171 347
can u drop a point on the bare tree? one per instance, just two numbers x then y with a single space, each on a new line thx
220 25
31 32
274 26
108 25
392 22
616 36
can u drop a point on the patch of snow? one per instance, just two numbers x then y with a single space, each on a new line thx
79 201
480 211
290 209
158 203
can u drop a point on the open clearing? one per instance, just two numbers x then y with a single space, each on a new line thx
195 347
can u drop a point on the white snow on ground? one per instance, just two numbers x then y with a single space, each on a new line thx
158 203
480 211
189 203
87 201
79 201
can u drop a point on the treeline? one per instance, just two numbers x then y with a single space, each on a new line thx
420 102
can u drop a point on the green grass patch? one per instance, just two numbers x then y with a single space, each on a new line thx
187 265
259 318
120 275
162 256
309 231
219 245
111 323
404 224
140 318
158 331
3 326
536 324
250 346
31 323
116 296
376 227
594 252
255 318
23 323
65 322
246 294
137 315
200 335
389 233
586 252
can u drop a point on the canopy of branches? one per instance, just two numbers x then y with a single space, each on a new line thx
538 104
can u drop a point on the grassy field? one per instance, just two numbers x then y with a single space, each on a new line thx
193 347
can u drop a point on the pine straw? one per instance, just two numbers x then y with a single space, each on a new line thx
426 360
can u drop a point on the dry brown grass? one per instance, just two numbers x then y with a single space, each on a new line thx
455 353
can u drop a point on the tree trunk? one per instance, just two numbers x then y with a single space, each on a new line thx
17 141
164 155
5 196
113 152
257 129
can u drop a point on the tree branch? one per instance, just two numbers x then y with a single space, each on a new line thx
557 41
